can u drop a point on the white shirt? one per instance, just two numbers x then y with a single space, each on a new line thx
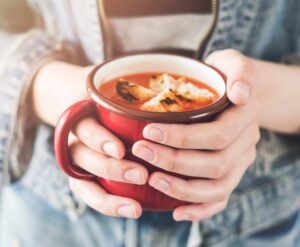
165 31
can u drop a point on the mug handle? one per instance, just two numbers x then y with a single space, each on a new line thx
65 123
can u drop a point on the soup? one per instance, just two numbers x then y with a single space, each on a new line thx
159 92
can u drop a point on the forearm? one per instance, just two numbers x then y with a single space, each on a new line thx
56 86
278 89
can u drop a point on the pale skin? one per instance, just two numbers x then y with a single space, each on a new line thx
217 153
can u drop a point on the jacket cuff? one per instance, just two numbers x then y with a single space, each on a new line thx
31 51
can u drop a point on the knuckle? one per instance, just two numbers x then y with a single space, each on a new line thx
182 140
257 135
78 153
170 163
92 140
218 170
219 165
222 193
221 140
105 168
182 194
181 191
82 131
242 65
179 133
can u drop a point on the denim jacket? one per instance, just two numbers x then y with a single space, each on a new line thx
74 31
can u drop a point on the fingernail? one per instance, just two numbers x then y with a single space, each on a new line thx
134 176
126 211
160 184
111 149
154 134
183 217
144 153
241 88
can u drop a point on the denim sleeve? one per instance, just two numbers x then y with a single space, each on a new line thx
21 55
292 59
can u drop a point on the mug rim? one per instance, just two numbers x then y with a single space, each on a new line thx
163 117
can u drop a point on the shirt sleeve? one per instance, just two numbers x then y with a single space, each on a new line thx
21 56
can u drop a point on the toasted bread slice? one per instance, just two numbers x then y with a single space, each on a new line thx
180 86
131 92
162 82
190 91
166 101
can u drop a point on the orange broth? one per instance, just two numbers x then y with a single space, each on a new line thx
109 91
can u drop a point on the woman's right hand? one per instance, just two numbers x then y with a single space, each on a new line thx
92 147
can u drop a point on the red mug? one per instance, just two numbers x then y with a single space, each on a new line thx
128 124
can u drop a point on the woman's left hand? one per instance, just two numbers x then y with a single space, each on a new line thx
216 154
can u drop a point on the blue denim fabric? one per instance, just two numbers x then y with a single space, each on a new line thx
268 194
29 222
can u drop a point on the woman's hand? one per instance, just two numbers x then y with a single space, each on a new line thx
59 85
99 152
217 153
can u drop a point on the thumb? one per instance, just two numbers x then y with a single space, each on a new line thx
235 67
238 92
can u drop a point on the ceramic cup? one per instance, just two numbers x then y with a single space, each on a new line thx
128 123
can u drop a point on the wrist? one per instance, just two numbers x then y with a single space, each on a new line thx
275 84
55 87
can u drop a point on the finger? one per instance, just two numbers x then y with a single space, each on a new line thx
98 138
233 178
193 191
214 135
202 190
239 74
185 162
205 164
107 167
97 198
197 212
